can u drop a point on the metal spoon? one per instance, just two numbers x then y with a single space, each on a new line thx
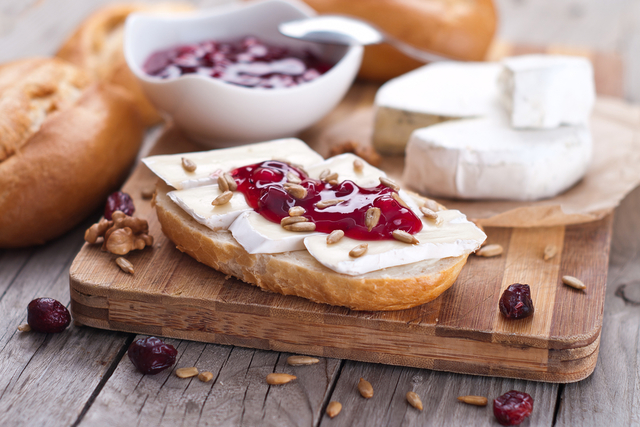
343 30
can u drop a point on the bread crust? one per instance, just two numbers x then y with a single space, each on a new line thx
460 28
97 47
64 170
298 273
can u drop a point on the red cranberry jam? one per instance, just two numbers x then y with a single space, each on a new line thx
246 62
263 187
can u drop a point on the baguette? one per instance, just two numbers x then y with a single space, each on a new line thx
97 47
462 29
65 143
298 273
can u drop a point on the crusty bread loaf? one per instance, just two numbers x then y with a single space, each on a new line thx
97 47
298 273
462 29
65 143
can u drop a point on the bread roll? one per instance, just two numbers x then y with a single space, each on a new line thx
65 144
97 47
462 29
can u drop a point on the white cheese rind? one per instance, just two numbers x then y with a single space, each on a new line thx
197 203
485 159
455 237
210 163
546 91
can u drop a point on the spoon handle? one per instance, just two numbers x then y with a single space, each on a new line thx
415 53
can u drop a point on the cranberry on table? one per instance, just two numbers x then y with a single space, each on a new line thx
119 201
516 302
151 355
47 315
512 408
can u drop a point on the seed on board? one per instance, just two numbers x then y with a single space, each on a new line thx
428 213
296 211
389 183
24 327
223 185
231 182
205 377
359 250
372 217
573 282
300 226
474 400
222 198
288 220
334 408
325 173
125 265
187 372
279 378
398 199
404 237
358 165
365 388
550 251
326 203
335 237
414 400
188 165
296 191
490 251
301 360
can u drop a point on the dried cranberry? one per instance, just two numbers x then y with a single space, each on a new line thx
47 315
516 302
512 407
119 201
151 355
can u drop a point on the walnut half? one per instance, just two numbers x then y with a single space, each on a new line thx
121 235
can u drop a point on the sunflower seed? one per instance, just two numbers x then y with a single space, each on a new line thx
296 211
24 327
573 282
387 182
295 190
125 265
414 400
365 388
278 378
300 226
222 198
372 217
550 251
334 408
474 400
335 237
301 360
205 377
428 213
293 178
325 173
358 251
331 177
326 203
490 251
358 165
431 204
223 185
398 199
405 237
231 182
333 182
188 165
186 372
292 220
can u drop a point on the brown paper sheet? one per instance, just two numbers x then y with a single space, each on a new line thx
614 170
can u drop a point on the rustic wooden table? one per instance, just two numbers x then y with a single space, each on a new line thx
82 377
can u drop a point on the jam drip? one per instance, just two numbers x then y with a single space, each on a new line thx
247 62
263 187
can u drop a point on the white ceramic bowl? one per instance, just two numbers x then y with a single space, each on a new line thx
216 113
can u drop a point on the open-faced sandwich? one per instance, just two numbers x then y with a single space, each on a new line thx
337 231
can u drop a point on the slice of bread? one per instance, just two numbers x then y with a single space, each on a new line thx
298 273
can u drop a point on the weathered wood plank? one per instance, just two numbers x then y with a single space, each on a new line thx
238 395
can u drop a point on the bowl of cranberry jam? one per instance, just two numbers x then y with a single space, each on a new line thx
226 76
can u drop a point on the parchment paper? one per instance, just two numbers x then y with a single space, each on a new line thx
613 173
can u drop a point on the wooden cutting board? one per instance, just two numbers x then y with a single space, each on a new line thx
172 295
